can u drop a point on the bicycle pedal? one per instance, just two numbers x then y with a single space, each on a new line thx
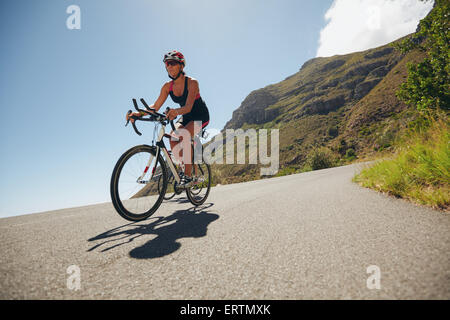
185 186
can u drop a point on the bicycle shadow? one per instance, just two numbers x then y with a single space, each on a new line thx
191 223
178 199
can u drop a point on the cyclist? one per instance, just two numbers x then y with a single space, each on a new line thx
184 91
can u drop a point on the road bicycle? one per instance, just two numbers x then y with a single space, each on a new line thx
143 174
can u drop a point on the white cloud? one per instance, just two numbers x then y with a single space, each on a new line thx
357 25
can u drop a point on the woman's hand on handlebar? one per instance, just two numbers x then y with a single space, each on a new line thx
130 115
172 114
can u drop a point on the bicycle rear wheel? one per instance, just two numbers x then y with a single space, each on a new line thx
135 194
199 191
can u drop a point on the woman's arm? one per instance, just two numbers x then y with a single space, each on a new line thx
158 103
162 97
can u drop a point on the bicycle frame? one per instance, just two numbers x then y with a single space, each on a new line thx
160 146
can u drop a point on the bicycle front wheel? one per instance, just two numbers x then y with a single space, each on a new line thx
138 183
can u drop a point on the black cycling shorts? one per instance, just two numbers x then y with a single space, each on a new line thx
188 117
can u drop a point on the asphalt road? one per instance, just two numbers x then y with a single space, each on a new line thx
305 236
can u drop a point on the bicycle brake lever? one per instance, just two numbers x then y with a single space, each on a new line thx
128 121
134 125
171 121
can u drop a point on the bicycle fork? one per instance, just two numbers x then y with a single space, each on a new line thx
141 178
150 160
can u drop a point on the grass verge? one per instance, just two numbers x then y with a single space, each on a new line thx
420 170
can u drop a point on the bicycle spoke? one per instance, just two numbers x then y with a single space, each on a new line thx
198 193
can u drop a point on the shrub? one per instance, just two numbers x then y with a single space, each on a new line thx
286 171
350 155
427 85
320 158
333 131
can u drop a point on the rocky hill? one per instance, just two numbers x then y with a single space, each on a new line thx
345 103
322 85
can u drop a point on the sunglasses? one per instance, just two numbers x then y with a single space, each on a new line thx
171 63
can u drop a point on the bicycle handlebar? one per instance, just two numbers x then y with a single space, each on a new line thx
171 121
154 116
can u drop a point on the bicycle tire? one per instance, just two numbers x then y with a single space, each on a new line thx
193 192
171 180
114 188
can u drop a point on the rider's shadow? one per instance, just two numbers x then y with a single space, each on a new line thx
181 224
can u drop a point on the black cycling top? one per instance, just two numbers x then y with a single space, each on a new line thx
199 110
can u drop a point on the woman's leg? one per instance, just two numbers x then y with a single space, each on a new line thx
185 157
174 144
193 130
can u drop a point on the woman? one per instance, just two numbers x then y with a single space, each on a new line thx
184 91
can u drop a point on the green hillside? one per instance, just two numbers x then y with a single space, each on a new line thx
343 108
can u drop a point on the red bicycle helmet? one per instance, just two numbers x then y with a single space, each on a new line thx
175 55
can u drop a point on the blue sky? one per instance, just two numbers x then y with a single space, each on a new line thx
64 93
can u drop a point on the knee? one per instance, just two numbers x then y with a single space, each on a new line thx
173 143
